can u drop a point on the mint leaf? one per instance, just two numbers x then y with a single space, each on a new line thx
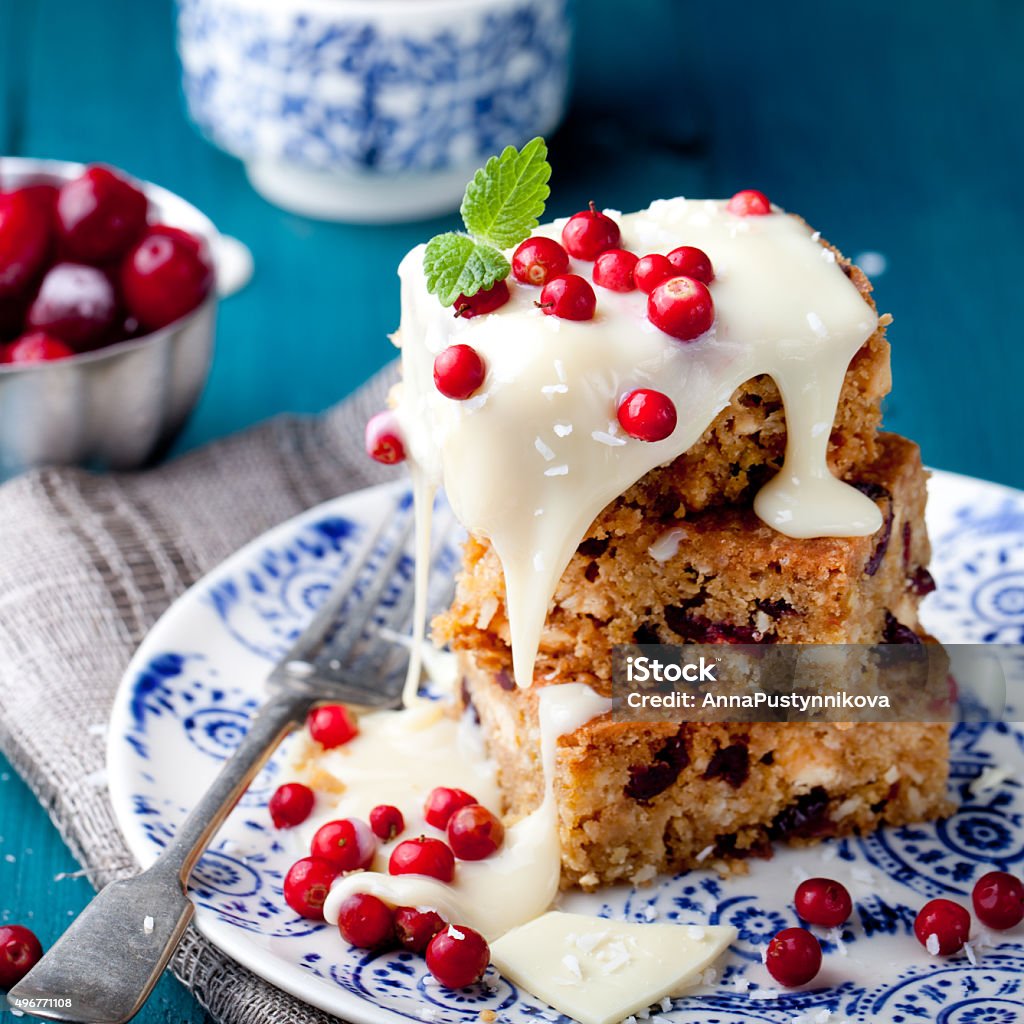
506 197
457 265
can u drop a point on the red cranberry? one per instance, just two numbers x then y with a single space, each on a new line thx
423 856
474 833
37 347
415 928
386 821
100 215
165 276
331 725
366 921
590 233
647 415
291 805
458 956
20 951
307 885
944 925
569 297
651 270
347 844
459 372
749 203
485 301
613 270
794 957
384 438
539 259
442 802
76 304
681 307
690 261
998 900
823 901
24 241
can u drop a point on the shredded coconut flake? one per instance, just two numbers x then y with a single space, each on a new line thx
704 854
603 437
454 933
991 778
763 995
741 984
665 1004
572 965
555 389
650 913
589 941
932 945
147 924
695 932
709 977
972 956
557 471
544 449
563 429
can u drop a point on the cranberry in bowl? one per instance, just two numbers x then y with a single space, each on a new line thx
107 312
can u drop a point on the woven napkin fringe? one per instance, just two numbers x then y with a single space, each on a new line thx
87 564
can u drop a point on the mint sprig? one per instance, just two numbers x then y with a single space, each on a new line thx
502 205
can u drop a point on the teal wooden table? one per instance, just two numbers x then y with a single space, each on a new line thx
894 128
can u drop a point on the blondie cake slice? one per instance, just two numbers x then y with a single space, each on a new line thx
718 576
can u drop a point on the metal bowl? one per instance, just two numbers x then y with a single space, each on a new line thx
119 407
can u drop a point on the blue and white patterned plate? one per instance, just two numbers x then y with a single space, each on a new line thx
190 691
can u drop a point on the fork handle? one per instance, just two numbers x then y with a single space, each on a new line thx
272 723
141 920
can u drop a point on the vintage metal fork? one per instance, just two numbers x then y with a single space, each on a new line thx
106 964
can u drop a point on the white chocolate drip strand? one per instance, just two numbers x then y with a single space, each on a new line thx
531 460
399 757
423 492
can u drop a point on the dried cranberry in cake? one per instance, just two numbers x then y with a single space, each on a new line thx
458 372
646 781
306 886
100 215
36 347
896 633
689 261
386 821
942 927
331 725
793 957
569 297
383 438
414 928
290 805
366 922
348 844
76 304
749 203
442 802
647 415
539 259
423 856
20 951
589 233
651 270
681 307
458 956
474 833
24 241
823 901
487 300
921 582
731 763
165 276
998 900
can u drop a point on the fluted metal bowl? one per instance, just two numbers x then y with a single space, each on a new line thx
119 407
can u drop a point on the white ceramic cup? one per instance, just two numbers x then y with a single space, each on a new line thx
372 110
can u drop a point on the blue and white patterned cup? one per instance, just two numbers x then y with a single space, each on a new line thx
372 110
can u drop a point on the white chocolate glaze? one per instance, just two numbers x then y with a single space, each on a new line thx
398 757
532 459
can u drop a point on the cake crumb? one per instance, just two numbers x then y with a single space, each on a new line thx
488 1016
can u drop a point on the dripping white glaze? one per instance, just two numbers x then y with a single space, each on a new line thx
397 758
515 475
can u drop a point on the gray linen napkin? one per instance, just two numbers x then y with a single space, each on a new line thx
87 565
